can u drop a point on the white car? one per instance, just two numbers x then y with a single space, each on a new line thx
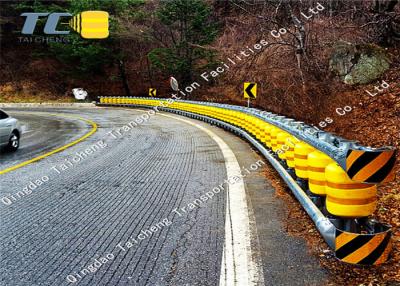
10 132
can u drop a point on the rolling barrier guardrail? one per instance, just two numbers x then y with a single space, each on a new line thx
333 178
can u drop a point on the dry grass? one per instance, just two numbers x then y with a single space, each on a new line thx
29 98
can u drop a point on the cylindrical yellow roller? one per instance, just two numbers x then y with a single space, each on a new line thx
259 130
248 123
301 151
266 138
346 198
235 118
229 116
242 120
317 162
273 133
251 128
282 144
289 154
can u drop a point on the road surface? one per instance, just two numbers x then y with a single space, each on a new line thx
125 206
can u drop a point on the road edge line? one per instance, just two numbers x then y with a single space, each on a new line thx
238 266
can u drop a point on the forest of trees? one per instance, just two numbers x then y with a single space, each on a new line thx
152 40
178 28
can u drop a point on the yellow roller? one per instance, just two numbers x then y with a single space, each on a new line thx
346 198
266 138
259 130
289 154
317 162
301 151
281 142
274 140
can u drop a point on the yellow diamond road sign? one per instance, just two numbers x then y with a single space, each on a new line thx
250 90
152 92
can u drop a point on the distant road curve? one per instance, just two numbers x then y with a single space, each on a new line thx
43 133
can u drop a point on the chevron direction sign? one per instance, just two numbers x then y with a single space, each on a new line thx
152 92
250 90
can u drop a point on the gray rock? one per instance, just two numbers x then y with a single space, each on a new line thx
358 64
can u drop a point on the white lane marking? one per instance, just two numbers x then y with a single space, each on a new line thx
240 264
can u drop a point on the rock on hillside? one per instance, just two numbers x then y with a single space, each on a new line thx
358 64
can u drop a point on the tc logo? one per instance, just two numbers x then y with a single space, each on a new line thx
90 24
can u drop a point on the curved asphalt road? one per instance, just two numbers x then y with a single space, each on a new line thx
42 132
64 215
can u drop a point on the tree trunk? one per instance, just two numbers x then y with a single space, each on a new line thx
384 6
149 71
390 29
124 80
300 45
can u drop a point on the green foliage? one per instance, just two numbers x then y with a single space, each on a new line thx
188 22
190 27
191 18
82 58
116 7
39 7
167 60
90 56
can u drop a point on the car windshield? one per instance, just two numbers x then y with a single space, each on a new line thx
3 115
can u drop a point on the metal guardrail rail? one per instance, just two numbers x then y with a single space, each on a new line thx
334 146
360 240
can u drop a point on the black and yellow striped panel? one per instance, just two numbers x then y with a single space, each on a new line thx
370 167
364 249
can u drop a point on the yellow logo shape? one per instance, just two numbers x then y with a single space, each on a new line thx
91 24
